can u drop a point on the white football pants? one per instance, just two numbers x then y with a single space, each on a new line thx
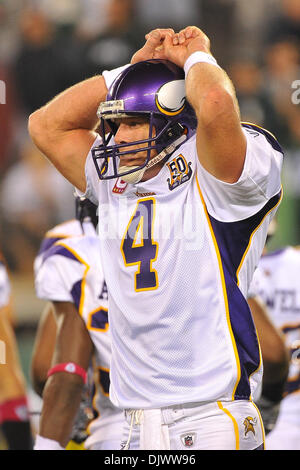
232 425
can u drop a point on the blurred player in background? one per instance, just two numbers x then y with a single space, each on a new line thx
185 354
68 274
44 347
14 417
276 282
84 222
275 363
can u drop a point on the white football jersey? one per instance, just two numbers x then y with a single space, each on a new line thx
71 271
178 253
5 289
276 281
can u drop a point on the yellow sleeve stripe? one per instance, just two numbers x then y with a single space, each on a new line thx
259 127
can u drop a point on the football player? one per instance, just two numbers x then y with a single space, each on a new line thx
275 362
14 416
276 283
186 193
44 346
68 274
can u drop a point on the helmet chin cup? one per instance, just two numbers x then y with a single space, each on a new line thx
134 177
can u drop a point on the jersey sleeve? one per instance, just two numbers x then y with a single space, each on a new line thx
261 284
254 286
59 277
5 289
259 182
111 75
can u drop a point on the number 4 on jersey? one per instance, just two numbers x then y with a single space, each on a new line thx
138 246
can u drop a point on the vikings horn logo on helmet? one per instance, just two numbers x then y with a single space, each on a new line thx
170 98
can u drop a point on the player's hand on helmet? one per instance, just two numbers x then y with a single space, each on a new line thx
153 47
178 47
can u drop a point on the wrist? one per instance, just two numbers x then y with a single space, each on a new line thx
14 410
69 367
198 57
43 443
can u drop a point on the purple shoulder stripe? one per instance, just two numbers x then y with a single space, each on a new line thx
47 243
61 251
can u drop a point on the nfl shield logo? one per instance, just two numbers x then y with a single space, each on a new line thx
188 440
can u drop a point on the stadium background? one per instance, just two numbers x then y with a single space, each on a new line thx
47 45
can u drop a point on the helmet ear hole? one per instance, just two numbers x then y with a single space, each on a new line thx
173 132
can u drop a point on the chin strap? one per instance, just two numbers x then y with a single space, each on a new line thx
165 152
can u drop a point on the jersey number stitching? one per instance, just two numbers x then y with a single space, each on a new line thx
144 252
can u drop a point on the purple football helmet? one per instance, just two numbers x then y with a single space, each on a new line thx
154 89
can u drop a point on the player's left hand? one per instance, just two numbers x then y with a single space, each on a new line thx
178 47
153 47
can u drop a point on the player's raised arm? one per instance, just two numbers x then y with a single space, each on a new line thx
221 145
63 129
